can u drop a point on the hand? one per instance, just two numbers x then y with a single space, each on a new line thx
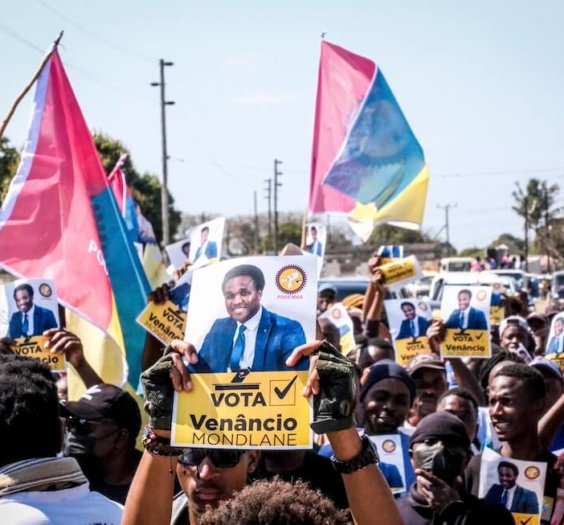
332 381
436 334
6 345
179 373
438 494
160 381
160 295
373 263
64 342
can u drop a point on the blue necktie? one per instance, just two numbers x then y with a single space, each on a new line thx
238 349
412 328
25 326
504 497
461 319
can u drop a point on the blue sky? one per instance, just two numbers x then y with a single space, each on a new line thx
480 83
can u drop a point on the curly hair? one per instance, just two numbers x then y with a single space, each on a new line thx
276 502
28 405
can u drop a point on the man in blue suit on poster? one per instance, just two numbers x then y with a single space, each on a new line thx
207 247
465 317
30 319
512 496
316 246
251 337
413 325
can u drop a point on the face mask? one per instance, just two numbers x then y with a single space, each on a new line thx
81 448
444 462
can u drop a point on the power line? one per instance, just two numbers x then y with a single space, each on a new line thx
107 43
11 33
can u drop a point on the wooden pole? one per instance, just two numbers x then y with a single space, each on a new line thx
21 96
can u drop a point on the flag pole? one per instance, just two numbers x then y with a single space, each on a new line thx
28 87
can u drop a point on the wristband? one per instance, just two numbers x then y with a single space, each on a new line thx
157 445
367 456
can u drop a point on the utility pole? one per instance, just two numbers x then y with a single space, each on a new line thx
276 186
447 208
268 197
164 186
256 232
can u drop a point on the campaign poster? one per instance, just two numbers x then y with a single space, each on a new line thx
389 252
200 247
316 242
337 315
166 321
517 485
555 343
408 320
28 307
400 272
497 310
391 460
245 317
466 312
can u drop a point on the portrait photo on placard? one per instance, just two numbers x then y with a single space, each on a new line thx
555 344
316 238
251 313
28 307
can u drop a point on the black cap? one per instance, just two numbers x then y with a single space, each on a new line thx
442 426
386 369
107 401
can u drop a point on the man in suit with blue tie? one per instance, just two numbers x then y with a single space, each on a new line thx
413 325
30 319
465 317
251 337
207 248
316 247
556 343
512 496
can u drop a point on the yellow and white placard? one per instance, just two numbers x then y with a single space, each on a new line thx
29 307
466 310
337 315
516 484
408 320
238 410
399 272
165 321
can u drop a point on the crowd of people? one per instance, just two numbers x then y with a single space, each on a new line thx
78 462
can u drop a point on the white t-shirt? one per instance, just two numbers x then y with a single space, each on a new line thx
75 506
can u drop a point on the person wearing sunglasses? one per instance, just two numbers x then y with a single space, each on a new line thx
208 477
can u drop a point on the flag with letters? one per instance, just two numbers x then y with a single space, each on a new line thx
60 221
366 161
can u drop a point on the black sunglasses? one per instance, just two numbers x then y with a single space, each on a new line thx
192 457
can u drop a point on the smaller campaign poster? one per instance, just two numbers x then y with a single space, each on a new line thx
517 485
497 310
28 307
390 252
246 316
466 312
399 272
391 460
337 315
316 242
408 320
555 343
166 321
200 247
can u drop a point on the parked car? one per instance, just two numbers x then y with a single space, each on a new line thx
557 286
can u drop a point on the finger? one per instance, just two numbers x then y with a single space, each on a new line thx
176 379
186 349
62 343
51 331
313 378
303 351
184 381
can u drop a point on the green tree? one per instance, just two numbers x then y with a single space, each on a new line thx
9 161
387 234
514 244
146 188
471 252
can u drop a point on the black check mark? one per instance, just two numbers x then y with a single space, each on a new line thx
282 393
526 521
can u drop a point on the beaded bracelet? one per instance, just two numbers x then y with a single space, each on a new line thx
157 445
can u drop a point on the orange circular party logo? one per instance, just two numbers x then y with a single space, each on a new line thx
45 290
423 306
291 279
481 295
336 314
388 446
532 472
